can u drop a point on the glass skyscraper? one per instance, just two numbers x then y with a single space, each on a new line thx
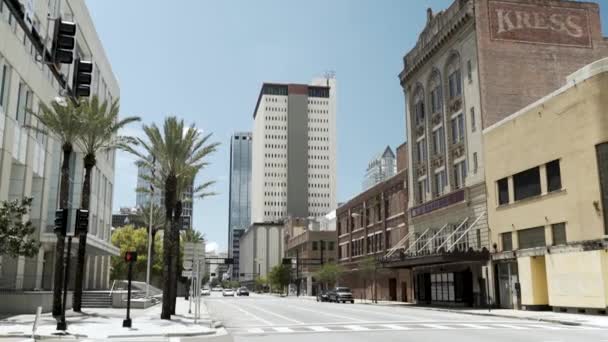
239 215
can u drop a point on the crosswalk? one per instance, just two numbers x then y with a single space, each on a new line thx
367 327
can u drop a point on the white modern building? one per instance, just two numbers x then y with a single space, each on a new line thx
294 149
262 248
30 162
380 168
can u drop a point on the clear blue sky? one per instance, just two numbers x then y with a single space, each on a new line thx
205 61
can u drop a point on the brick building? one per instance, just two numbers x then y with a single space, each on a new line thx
474 64
368 226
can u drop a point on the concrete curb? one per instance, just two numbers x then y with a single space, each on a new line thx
191 334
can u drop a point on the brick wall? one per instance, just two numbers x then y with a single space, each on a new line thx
401 157
526 49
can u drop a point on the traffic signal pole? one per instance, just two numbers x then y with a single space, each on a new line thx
62 324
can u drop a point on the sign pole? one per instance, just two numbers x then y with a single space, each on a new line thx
130 257
62 324
191 294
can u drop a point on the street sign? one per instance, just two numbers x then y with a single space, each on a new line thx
187 264
187 274
192 248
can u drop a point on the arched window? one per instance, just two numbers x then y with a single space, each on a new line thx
419 106
435 86
454 77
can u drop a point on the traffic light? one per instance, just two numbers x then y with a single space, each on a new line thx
213 274
241 274
229 261
81 82
61 221
131 256
63 42
286 261
82 221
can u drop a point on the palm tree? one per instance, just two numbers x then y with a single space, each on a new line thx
99 134
177 151
63 123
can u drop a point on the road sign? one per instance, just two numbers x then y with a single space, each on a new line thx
194 248
187 264
187 274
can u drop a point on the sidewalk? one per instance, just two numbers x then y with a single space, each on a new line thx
540 316
101 323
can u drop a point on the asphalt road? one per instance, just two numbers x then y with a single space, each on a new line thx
266 318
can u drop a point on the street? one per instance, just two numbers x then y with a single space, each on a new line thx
267 318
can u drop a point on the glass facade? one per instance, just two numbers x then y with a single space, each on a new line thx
239 216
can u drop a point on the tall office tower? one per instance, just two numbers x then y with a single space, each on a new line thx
142 199
294 149
239 211
381 168
30 162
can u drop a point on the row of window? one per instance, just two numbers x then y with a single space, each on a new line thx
318 175
318 166
318 102
364 245
317 120
274 136
275 203
361 218
275 155
317 111
318 148
275 146
319 185
535 237
276 118
317 157
274 174
317 195
527 183
274 99
324 245
277 128
314 138
276 109
318 129
281 165
275 184
454 91
315 204
459 173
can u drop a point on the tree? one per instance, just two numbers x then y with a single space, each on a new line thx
177 154
15 231
129 238
205 279
214 282
329 274
260 283
100 134
279 276
368 271
63 123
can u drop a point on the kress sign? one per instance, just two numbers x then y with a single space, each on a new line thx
539 24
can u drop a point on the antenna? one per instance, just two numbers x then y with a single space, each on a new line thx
329 74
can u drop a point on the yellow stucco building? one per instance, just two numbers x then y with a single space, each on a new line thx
547 189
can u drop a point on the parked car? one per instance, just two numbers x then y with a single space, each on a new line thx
217 289
243 291
322 296
228 293
341 295
205 292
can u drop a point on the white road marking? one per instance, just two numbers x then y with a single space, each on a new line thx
327 314
545 326
174 339
436 326
475 326
318 328
588 328
509 326
255 330
394 327
282 329
273 313
356 327
249 314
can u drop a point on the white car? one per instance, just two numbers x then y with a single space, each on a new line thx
228 293
205 292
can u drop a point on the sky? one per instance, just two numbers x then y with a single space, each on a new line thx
205 61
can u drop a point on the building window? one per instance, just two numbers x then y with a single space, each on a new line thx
421 149
460 173
601 151
507 241
469 71
457 129
473 124
439 183
438 141
419 112
315 245
421 190
503 191
436 100
532 237
3 84
330 245
475 162
527 184
559 233
455 87
554 180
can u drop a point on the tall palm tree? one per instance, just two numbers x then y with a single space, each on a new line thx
176 151
63 123
99 134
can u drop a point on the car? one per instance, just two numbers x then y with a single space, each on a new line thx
205 292
322 296
341 295
217 289
243 291
228 293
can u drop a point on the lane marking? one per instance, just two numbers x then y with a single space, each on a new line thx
436 326
318 328
174 339
255 330
373 312
543 326
394 327
589 328
356 327
327 314
474 326
273 313
509 326
250 314
282 329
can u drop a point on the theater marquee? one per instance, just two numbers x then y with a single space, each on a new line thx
539 24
